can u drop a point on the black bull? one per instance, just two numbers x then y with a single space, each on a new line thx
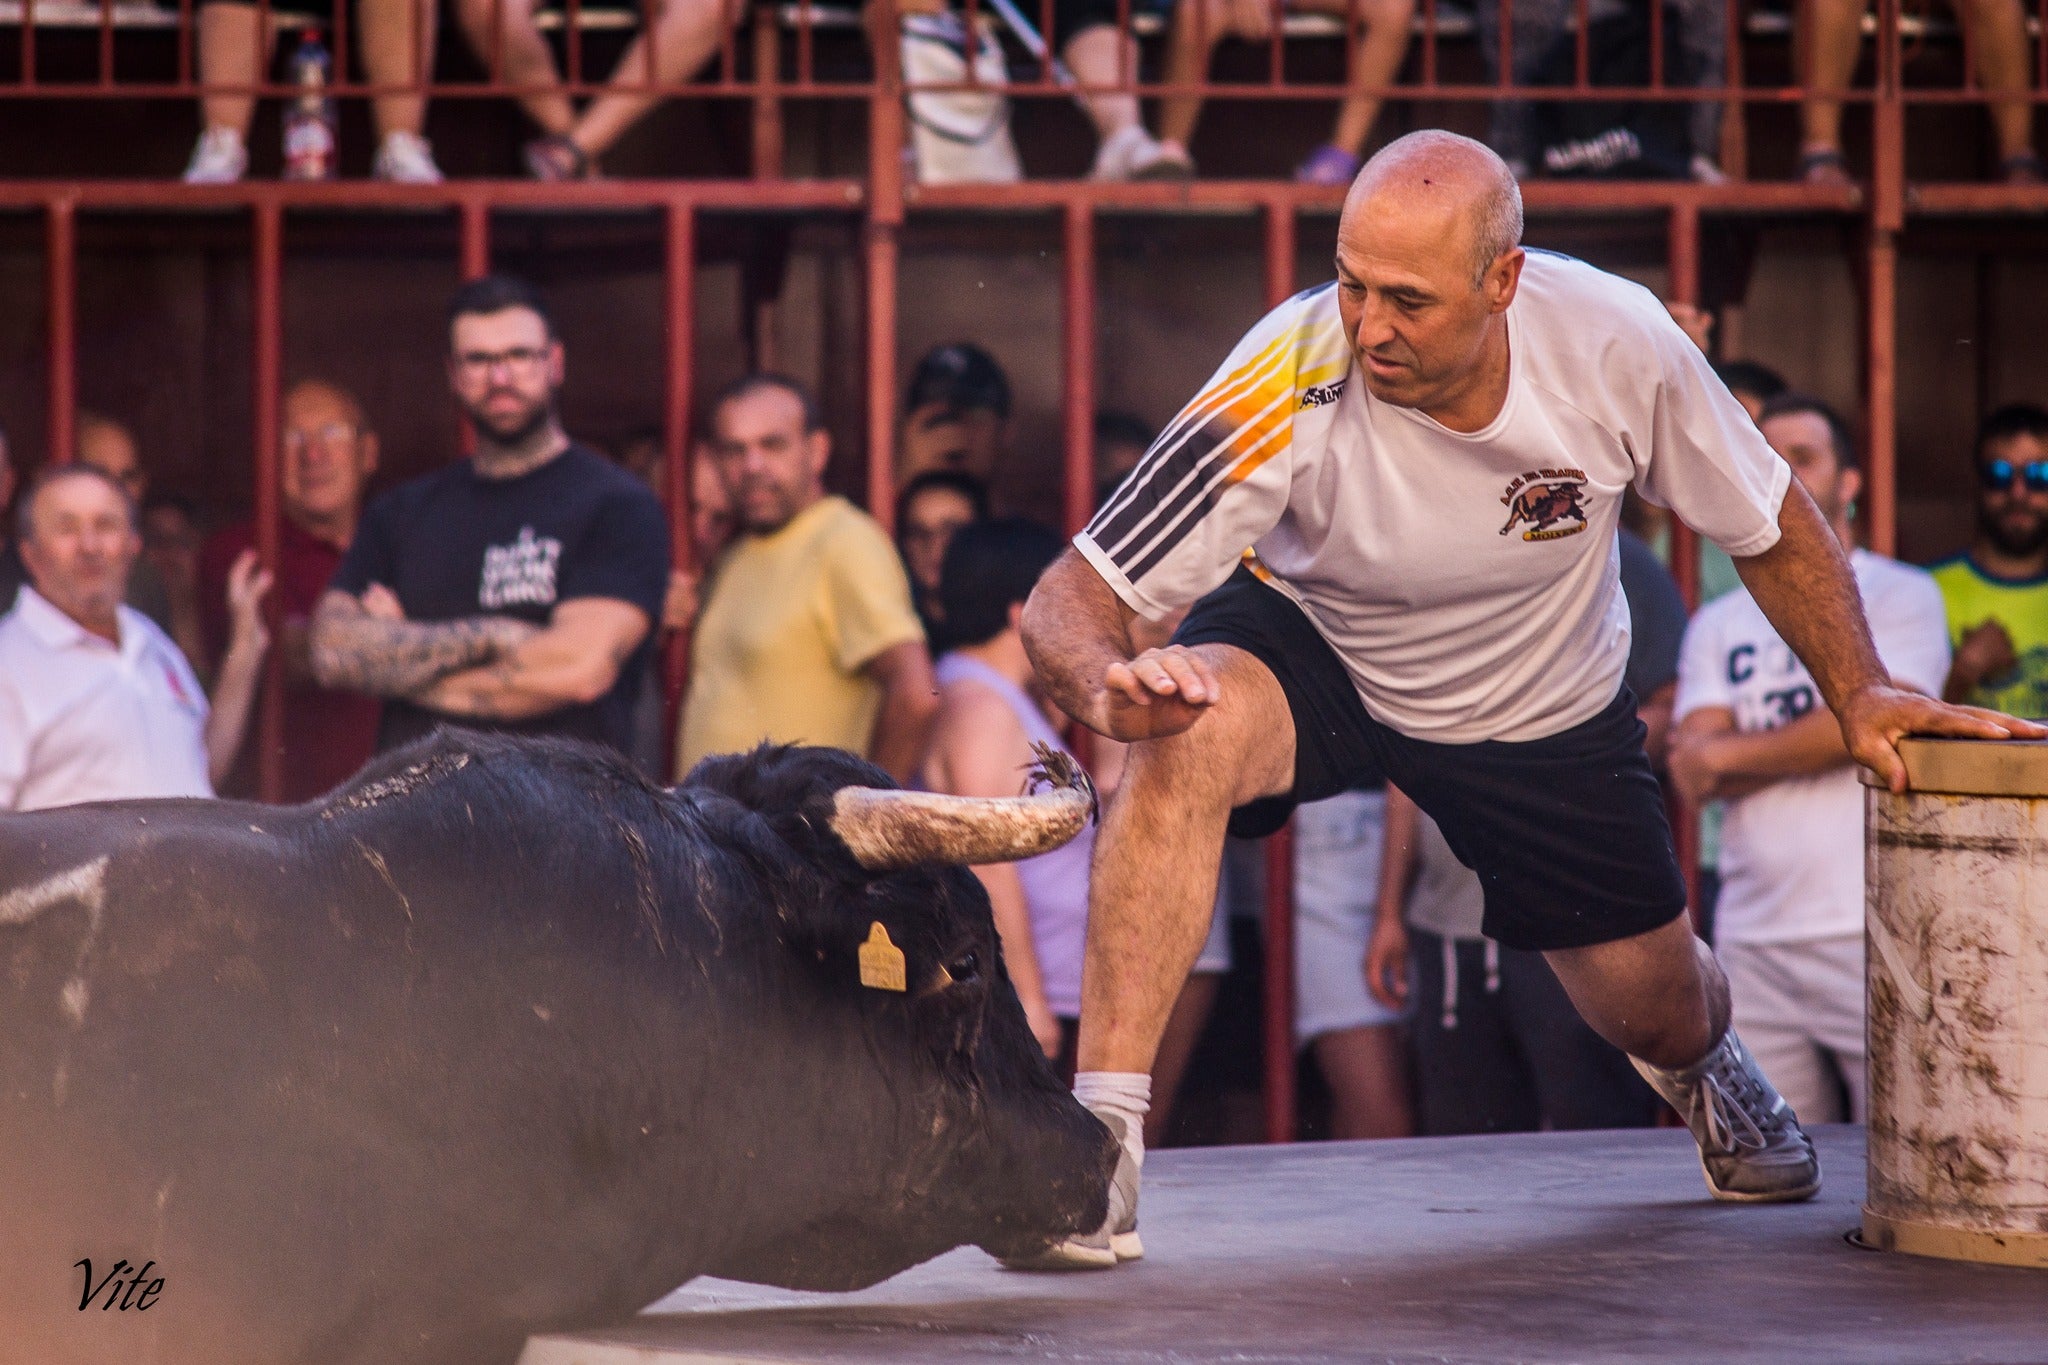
496 1039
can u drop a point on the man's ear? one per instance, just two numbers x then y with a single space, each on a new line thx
1503 277
820 444
372 451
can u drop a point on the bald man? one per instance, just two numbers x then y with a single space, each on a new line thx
1428 456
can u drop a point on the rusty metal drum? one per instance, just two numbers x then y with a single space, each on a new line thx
1958 999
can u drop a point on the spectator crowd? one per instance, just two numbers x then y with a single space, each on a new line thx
526 585
952 57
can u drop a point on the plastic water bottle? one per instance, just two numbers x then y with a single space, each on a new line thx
309 120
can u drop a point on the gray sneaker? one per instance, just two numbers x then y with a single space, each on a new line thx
1117 1239
1752 1149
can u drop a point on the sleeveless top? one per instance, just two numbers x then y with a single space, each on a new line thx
1055 883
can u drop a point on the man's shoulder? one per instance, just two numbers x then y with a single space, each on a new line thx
1729 611
842 526
1881 576
403 498
604 477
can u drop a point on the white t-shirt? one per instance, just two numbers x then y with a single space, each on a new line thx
84 720
1792 853
1469 582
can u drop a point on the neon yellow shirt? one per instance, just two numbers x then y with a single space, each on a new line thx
2021 606
791 619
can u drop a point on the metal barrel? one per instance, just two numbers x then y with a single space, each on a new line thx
1957 920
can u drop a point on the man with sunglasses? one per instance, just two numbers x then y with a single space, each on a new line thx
1997 590
514 590
328 453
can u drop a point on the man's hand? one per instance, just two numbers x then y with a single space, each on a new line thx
1876 718
680 604
1045 1025
1986 652
1386 959
248 582
382 604
1161 692
1691 764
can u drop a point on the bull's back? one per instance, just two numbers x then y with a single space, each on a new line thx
323 1065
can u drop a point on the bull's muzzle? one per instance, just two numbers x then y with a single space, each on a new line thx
887 830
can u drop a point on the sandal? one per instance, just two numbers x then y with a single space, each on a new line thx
1823 166
2023 168
555 157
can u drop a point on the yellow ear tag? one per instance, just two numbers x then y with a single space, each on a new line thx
881 962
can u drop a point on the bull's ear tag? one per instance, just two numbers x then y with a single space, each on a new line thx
881 962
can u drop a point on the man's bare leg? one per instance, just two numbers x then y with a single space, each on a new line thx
684 36
1829 42
1153 886
397 38
1367 1072
1659 996
232 49
522 55
1999 34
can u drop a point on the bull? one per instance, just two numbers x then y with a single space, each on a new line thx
1541 504
500 1038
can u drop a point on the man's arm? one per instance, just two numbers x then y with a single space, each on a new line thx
241 667
1986 652
977 745
573 661
1386 952
358 652
1713 761
909 701
1808 594
1078 634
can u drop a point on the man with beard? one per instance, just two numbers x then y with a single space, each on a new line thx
1997 590
1754 731
514 590
808 634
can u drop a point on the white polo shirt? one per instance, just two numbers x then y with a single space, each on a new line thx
1468 581
84 720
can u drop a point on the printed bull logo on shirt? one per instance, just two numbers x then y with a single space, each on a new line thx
520 574
1550 502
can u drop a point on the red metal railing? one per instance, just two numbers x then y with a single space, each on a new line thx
884 202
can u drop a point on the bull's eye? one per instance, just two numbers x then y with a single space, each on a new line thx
965 968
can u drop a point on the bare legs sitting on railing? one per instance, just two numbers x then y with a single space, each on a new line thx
1376 48
396 38
683 36
1998 43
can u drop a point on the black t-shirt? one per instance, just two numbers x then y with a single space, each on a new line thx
453 544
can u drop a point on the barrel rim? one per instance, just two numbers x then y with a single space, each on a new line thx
1973 767
2002 1247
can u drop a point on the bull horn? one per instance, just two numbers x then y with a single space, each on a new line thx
886 830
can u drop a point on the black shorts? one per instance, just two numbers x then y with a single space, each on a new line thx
1567 833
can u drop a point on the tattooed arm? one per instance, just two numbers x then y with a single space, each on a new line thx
356 651
575 660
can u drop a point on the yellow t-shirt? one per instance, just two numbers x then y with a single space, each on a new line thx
1972 598
791 619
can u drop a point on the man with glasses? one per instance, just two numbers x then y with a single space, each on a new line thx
1997 590
328 453
514 590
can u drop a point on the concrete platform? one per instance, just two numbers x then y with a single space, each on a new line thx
1545 1247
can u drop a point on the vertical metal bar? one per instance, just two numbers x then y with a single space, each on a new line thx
572 19
881 247
767 149
28 42
1581 38
186 11
475 238
1656 44
1429 41
1078 348
1506 73
1682 245
337 52
679 322
267 321
1887 220
1276 44
106 53
1278 1032
1734 113
1881 379
60 235
1279 1025
885 219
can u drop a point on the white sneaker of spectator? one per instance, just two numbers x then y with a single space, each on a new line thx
1131 153
221 158
406 159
